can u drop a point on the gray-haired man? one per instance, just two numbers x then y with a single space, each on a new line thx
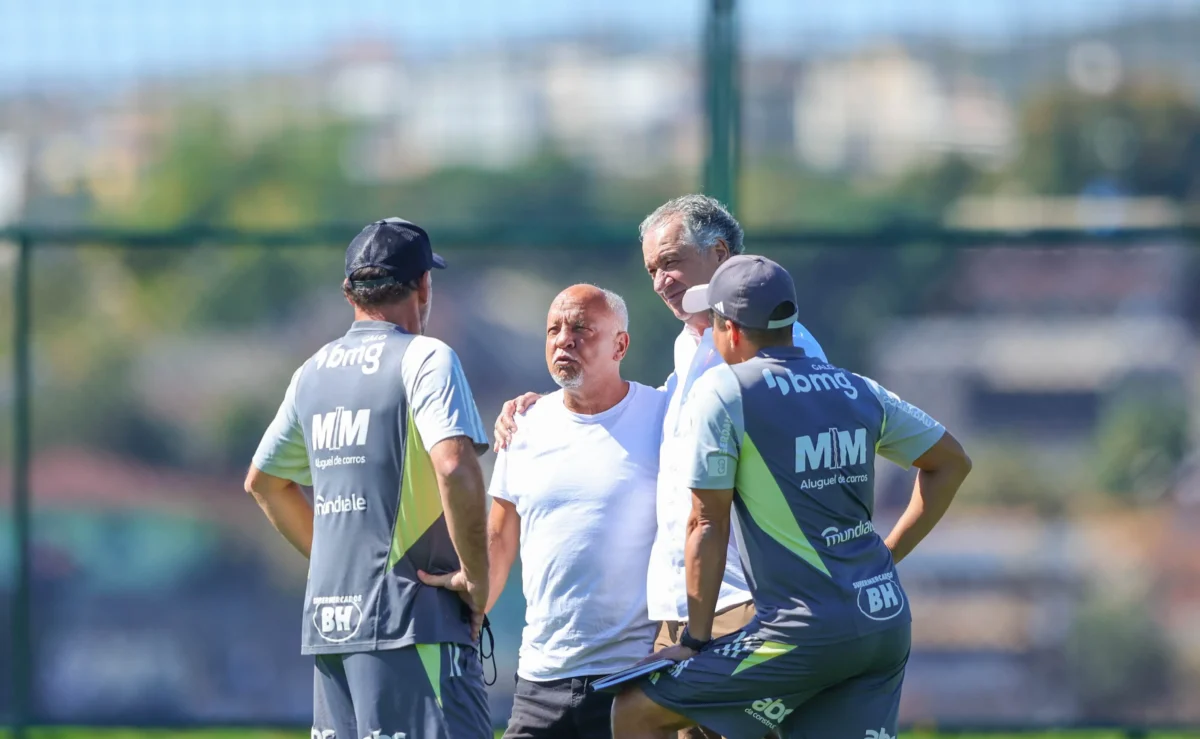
684 241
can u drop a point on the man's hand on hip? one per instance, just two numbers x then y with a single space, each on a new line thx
675 653
473 594
506 422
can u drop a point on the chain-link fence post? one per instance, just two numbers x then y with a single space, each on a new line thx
22 662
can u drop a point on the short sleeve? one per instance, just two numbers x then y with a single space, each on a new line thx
908 432
714 427
438 394
805 340
498 487
281 452
668 385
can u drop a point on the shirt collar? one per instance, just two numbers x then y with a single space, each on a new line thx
782 352
368 325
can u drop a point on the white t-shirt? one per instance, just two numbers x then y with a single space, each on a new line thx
584 487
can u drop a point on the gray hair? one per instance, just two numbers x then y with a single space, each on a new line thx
704 219
616 304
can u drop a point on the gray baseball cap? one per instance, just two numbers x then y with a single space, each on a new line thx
746 290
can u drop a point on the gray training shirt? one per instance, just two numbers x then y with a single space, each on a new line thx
357 423
796 439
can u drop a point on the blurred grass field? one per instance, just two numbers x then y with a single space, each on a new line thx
91 733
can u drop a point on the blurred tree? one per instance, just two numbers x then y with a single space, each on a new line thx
1141 438
103 412
1143 139
1008 474
1119 658
925 193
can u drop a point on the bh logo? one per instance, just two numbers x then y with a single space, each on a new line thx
769 711
880 598
337 622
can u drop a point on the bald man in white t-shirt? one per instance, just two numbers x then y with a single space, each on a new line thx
574 494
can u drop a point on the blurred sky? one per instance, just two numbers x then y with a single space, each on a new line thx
43 41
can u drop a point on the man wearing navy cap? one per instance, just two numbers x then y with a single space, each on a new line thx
789 442
381 423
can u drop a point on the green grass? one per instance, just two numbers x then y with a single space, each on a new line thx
86 733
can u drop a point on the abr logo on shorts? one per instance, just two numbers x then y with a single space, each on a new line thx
769 712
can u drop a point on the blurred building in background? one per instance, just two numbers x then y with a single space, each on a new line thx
1064 585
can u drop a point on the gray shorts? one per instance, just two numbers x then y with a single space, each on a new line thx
742 685
427 690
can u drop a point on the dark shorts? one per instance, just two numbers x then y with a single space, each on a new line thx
566 709
742 685
427 690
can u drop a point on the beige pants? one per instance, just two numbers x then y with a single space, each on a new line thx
726 622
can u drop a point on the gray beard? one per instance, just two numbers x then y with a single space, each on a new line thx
568 383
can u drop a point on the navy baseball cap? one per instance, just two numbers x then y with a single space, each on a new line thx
395 245
746 289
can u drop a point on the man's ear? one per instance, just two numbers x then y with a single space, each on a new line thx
722 250
622 345
425 286
735 333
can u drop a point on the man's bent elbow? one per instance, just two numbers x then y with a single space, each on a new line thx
253 483
960 463
454 460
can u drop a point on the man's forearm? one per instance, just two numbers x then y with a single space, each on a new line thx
465 504
501 555
290 513
932 494
705 566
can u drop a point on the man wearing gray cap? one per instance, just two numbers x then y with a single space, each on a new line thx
381 423
789 441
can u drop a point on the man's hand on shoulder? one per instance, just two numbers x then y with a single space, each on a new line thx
506 422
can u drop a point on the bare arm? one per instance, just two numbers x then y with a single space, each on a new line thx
942 471
460 482
704 557
504 541
285 506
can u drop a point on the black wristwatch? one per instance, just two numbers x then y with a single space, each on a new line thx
691 642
